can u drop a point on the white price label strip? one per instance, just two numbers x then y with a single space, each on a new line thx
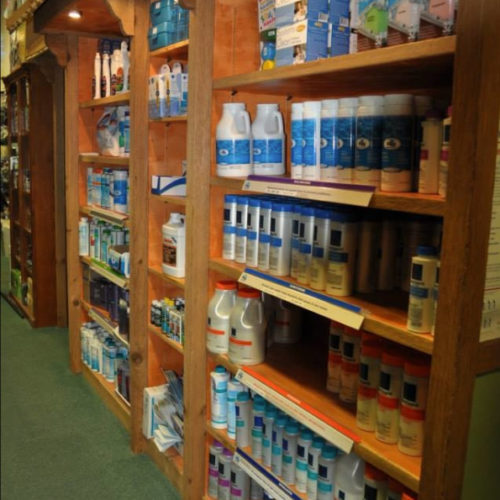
102 321
266 479
109 275
318 303
311 190
320 424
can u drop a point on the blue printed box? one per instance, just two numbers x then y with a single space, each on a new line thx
338 40
290 11
301 42
339 12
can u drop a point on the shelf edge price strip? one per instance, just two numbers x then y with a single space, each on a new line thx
347 194
110 275
265 479
324 305
302 412
99 319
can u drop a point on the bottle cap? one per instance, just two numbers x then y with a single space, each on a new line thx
374 473
367 392
297 107
243 396
417 367
329 451
306 434
220 369
392 357
371 350
395 486
318 442
332 104
312 107
253 201
371 100
271 411
227 453
226 285
259 404
348 102
230 198
387 402
398 99
249 293
282 207
267 107
412 413
307 210
242 200
218 445
292 427
426 250
234 106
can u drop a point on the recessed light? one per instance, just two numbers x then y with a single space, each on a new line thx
74 14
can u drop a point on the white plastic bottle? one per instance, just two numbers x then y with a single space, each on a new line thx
287 324
430 153
306 239
346 140
303 444
83 235
312 467
267 434
277 445
240 483
256 490
421 304
218 392
219 311
224 486
106 76
116 78
233 141
328 144
264 234
268 138
241 229
215 450
120 191
297 142
397 143
290 438
319 258
234 387
312 139
243 407
445 149
349 477
247 343
96 81
422 105
126 66
375 483
343 242
258 411
281 230
326 472
229 229
174 245
295 240
368 152
253 220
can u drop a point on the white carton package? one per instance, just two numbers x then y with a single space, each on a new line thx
149 420
166 185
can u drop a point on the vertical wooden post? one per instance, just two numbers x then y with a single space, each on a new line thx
138 176
201 31
466 231
72 215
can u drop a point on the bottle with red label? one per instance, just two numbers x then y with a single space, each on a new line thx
445 148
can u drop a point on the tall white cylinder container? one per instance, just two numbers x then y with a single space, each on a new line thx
297 142
328 144
219 311
312 139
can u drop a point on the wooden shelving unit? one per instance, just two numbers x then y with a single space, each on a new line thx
109 161
170 119
177 282
115 218
174 200
172 343
114 100
177 50
106 272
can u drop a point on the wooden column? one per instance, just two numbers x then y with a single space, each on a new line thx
465 243
201 30
72 215
139 186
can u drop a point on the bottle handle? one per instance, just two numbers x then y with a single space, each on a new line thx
279 120
246 122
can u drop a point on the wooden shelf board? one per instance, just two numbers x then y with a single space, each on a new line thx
21 14
171 343
419 65
156 271
114 100
387 322
115 278
106 391
29 315
175 200
296 370
424 204
177 50
108 161
116 218
170 463
170 119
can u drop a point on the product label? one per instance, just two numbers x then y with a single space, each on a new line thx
345 131
170 251
267 151
328 142
120 191
368 142
297 147
396 149
233 152
310 142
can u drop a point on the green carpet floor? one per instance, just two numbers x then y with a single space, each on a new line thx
58 439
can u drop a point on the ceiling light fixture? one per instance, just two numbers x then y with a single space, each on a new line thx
74 14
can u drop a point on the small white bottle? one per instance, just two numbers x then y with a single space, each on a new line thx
421 304
253 220
281 230
297 142
215 450
241 229
312 139
106 76
375 483
397 143
120 191
218 391
240 483
328 144
267 434
84 237
287 324
224 486
290 438
319 258
116 78
234 387
326 473
303 444
126 66
277 446
258 411
234 141
445 150
243 407
349 477
174 245
306 239
256 490
312 467
268 139
430 153
295 240
219 311
247 343
368 152
346 140
229 229
96 81
264 234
